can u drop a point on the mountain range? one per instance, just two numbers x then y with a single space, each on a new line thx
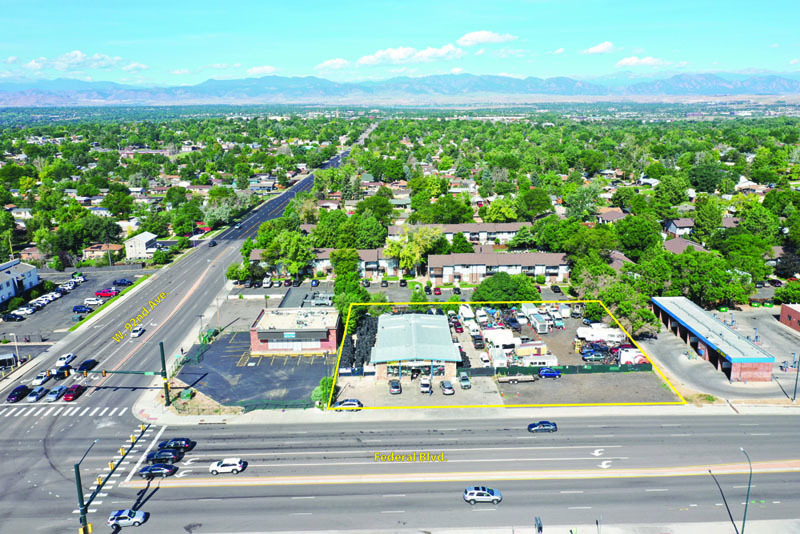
443 88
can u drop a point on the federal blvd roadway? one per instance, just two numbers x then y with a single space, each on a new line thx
283 487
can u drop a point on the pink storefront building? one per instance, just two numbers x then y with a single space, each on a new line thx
295 331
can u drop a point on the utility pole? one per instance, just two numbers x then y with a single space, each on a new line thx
749 483
796 376
79 487
164 376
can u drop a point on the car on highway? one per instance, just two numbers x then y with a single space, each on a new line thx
212 243
394 387
137 331
18 393
40 379
123 282
542 426
182 444
80 308
73 392
476 494
549 372
64 359
93 301
464 381
127 518
425 385
157 470
87 365
36 394
62 372
12 318
55 393
164 456
237 226
228 465
447 387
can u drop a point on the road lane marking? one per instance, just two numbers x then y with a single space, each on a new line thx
48 411
603 436
657 489
742 487
85 410
395 495
142 457
484 509
111 412
760 434
478 460
122 411
300 513
104 411
61 408
3 411
43 408
393 511
305 497
93 411
571 491
12 411
579 508
748 424
671 424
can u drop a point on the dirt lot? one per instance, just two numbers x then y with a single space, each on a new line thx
590 388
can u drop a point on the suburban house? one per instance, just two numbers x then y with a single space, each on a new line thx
618 259
482 233
31 253
140 246
679 227
15 278
610 215
101 250
679 244
474 267
22 213
100 212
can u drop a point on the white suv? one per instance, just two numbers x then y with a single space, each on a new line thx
228 465
482 494
92 301
425 385
65 359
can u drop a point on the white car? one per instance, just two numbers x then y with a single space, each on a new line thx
55 295
126 518
228 465
93 301
425 385
24 311
65 359
485 361
138 331
40 379
47 298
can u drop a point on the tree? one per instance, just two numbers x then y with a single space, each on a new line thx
322 393
412 247
706 176
636 234
503 287
707 216
460 244
759 221
176 196
583 202
291 250
161 257
788 294
379 206
501 210
531 203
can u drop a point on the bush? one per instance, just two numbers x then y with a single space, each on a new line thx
48 286
35 294
429 283
15 303
160 257
183 242
320 274
540 279
57 264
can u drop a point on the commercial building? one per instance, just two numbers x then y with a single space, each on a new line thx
140 246
790 316
715 342
15 278
413 344
295 331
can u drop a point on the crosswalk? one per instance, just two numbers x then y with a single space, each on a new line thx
51 410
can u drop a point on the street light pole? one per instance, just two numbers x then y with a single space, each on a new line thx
749 483
79 486
796 376
16 348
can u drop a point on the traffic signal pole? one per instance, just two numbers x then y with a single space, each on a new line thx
164 374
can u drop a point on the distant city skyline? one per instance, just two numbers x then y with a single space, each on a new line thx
175 43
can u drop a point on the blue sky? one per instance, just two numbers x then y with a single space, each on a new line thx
172 42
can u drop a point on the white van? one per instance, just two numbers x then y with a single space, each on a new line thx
482 317
473 328
485 359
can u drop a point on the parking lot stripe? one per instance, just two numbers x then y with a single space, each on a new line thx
27 413
70 411
84 411
50 410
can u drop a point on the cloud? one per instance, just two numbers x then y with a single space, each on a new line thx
75 61
333 64
647 61
456 70
261 71
10 60
775 45
484 36
557 51
480 52
405 54
133 66
180 72
507 52
220 66
794 61
603 48
509 75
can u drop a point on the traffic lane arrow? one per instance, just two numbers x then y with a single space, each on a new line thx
183 473
189 461
598 452
605 464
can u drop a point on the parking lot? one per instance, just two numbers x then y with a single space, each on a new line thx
52 322
227 372
483 392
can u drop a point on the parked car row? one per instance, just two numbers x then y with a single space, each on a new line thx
33 395
40 302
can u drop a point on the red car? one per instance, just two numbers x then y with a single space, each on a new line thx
106 293
458 328
437 291
74 392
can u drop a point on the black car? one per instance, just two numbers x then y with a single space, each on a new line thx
12 318
456 290
365 283
80 308
403 282
87 365
212 243
182 444
775 283
555 289
257 283
157 470
477 342
164 456
18 393
123 282
62 372
427 290
296 283
384 283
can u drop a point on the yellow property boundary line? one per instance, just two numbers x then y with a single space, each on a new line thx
672 388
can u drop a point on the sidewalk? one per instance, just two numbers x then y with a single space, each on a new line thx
791 526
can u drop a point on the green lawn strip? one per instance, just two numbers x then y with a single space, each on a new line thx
137 282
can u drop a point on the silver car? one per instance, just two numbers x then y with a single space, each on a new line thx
36 394
56 393
477 494
126 518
